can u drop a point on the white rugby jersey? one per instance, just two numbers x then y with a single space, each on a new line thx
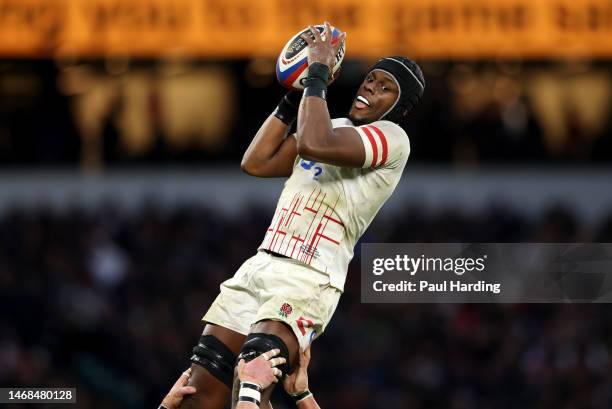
324 209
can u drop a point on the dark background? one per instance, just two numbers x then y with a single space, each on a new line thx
108 298
90 114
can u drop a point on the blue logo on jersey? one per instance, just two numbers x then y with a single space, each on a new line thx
310 165
313 334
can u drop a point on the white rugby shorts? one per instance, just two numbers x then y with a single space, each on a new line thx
268 287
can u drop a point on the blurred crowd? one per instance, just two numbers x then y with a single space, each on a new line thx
124 113
109 301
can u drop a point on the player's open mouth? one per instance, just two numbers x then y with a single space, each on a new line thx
361 102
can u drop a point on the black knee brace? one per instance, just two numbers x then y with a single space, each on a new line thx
258 343
213 355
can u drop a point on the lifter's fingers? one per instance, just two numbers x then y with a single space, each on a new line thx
277 372
277 361
186 390
271 353
305 357
183 379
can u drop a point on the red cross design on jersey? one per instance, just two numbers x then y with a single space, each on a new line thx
277 232
309 250
282 237
304 323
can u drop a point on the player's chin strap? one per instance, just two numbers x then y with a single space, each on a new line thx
258 343
213 355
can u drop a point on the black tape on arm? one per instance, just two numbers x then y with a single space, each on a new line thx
316 83
287 108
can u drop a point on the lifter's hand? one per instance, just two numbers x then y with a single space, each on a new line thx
297 382
178 391
323 51
261 370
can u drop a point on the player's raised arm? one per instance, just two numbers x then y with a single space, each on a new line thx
317 140
272 152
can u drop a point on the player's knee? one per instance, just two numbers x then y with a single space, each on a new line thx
216 357
257 343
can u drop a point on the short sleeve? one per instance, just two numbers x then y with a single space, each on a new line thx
386 144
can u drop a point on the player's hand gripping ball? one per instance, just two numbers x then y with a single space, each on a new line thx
292 63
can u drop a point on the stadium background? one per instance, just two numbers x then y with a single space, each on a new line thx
122 208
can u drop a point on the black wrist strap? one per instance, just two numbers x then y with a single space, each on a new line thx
287 108
316 89
318 71
248 399
250 385
300 396
316 83
294 98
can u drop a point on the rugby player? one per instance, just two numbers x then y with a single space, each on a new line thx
341 172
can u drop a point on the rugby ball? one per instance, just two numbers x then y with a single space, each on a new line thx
292 63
